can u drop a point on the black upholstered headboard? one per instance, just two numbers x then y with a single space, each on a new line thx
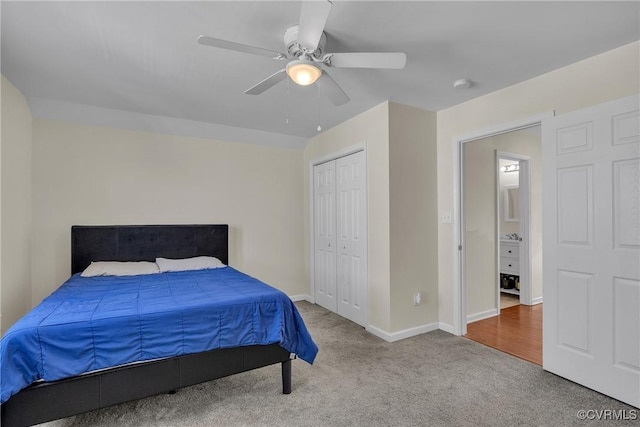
145 243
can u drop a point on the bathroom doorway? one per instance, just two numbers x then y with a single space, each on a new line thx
513 279
509 233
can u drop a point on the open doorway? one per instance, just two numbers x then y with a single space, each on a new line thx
513 210
509 233
501 231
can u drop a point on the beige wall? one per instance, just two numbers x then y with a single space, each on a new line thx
93 175
15 202
402 213
372 129
604 77
480 220
413 216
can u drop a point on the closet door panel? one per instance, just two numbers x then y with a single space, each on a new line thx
325 235
351 232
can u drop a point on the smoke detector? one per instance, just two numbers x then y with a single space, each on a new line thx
462 84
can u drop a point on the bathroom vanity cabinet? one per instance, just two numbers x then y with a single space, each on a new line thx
510 266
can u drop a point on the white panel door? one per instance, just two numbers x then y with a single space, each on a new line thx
324 226
351 233
591 246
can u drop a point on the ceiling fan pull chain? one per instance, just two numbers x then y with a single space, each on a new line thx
319 128
286 107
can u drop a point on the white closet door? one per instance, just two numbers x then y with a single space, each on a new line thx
324 195
591 243
352 232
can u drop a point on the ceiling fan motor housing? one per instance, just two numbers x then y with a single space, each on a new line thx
295 50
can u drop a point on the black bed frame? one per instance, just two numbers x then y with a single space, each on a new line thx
47 401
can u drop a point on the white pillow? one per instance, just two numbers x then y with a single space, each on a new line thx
185 264
118 268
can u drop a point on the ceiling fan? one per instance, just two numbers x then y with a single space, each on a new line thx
306 57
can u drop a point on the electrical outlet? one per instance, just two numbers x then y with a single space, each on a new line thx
417 298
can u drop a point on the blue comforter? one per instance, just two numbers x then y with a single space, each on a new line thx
101 322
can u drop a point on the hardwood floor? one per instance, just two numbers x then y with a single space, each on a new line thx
517 331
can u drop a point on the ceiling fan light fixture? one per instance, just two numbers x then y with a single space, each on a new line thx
303 72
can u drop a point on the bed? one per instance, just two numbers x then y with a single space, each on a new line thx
275 335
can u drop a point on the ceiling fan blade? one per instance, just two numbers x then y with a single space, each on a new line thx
238 47
267 83
333 91
396 60
313 18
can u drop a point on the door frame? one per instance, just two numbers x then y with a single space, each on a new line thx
362 146
459 286
524 185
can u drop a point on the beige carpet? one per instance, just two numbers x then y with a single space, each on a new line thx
435 379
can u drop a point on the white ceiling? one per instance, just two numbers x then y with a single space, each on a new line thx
142 57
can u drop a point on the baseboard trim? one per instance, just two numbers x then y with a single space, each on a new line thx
400 335
447 328
537 300
301 297
482 315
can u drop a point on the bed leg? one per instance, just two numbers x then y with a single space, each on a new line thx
286 377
